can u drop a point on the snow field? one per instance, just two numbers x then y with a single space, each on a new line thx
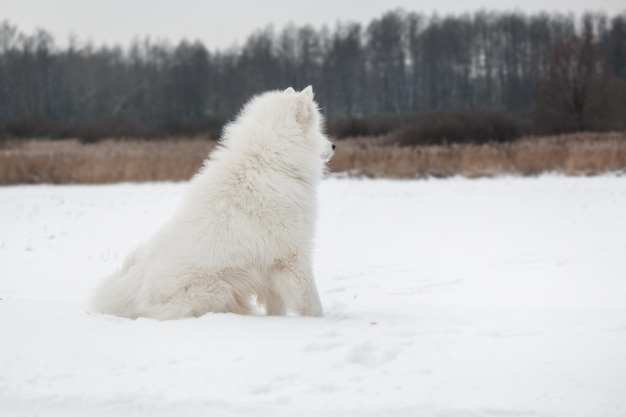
493 297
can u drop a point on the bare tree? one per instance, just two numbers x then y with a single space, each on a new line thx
344 73
559 65
386 46
574 91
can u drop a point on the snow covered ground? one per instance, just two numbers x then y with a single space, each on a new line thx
494 297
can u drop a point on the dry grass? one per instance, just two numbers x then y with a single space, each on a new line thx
574 154
69 161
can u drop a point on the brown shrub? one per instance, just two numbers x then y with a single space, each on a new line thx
434 128
119 129
370 126
450 127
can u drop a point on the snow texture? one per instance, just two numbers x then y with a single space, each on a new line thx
494 297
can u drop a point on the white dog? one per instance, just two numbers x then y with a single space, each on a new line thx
243 233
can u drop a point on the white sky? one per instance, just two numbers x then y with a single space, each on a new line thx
220 24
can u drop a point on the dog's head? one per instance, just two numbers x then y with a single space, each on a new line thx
292 115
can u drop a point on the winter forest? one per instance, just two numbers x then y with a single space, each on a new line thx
556 71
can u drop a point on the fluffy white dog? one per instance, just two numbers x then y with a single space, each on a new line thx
243 233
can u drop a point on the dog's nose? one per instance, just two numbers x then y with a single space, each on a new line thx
334 146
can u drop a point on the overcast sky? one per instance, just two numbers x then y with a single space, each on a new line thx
220 24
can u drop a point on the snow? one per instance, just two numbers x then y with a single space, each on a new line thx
491 297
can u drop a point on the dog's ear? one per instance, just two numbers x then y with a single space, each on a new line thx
304 110
305 107
289 90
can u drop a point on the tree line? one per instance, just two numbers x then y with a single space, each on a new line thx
560 71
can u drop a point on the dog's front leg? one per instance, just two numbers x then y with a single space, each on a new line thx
294 286
310 304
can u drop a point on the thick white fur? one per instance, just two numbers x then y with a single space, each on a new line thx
244 229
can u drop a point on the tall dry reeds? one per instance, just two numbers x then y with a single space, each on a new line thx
70 161
574 154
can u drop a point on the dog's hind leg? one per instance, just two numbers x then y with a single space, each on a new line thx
241 304
274 303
